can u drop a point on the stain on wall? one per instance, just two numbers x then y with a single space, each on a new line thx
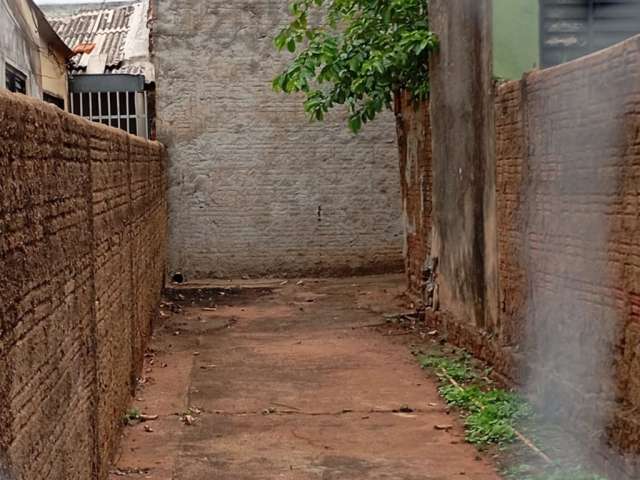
464 241
255 189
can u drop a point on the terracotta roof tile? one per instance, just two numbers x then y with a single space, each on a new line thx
109 30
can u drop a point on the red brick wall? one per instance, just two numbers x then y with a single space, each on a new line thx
82 215
510 166
568 176
583 231
568 227
414 138
47 362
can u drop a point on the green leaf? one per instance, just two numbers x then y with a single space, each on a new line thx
355 53
276 84
355 123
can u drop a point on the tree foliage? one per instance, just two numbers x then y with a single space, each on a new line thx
356 53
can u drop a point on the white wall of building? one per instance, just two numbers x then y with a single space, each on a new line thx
19 44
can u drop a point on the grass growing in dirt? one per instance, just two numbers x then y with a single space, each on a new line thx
131 417
491 414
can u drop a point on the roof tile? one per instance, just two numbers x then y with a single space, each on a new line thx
108 30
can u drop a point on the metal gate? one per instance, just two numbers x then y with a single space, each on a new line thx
117 100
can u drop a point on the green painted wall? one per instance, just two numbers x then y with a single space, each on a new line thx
516 37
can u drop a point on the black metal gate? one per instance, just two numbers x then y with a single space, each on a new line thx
118 100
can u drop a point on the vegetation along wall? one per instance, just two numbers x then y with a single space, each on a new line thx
82 259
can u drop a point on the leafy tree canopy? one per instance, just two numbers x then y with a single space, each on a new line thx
356 53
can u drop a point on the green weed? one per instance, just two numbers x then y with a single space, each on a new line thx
490 414
131 417
460 369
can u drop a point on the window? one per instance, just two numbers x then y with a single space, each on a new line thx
16 81
57 101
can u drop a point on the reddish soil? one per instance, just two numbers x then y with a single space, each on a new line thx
291 381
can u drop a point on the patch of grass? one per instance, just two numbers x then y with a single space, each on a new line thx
494 422
458 369
490 413
131 417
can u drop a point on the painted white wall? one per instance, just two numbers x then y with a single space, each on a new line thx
19 44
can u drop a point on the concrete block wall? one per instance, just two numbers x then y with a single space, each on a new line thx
255 189
78 224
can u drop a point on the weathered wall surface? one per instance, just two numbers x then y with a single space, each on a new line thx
414 138
464 210
47 335
582 247
511 156
82 216
254 188
568 233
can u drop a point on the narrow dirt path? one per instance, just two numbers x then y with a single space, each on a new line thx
288 382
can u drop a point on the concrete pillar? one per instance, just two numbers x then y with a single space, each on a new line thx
463 129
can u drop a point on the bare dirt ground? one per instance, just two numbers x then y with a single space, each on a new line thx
291 381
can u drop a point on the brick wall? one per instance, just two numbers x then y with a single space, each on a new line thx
82 240
568 228
510 170
580 198
255 188
414 137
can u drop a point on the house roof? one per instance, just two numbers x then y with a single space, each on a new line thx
108 39
47 32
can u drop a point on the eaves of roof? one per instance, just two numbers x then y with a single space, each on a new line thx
47 32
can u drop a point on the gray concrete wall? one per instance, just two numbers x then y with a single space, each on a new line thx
463 132
254 188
